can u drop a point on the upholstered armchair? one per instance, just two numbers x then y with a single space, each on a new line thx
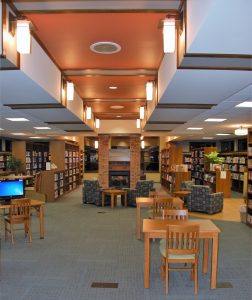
91 192
142 189
202 200
186 186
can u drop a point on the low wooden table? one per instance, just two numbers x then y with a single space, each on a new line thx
181 194
148 202
113 194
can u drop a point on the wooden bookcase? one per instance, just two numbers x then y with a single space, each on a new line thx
218 184
249 194
4 156
172 181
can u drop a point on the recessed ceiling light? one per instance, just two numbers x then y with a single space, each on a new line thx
245 104
113 87
215 120
194 128
116 106
118 116
35 137
18 133
41 128
17 119
105 47
207 138
222 133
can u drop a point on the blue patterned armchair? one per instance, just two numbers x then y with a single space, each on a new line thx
186 186
143 188
202 200
91 192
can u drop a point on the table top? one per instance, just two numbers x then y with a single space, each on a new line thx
34 202
182 193
149 200
157 225
10 177
113 191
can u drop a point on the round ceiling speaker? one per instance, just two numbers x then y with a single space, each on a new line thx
105 47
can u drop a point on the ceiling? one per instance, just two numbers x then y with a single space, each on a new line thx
66 30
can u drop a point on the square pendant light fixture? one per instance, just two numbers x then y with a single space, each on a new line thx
70 91
97 123
89 113
138 123
241 131
141 112
149 90
23 37
169 35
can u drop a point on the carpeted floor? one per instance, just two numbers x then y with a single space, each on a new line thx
85 244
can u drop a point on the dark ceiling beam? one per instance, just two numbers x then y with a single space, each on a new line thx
184 106
65 123
35 106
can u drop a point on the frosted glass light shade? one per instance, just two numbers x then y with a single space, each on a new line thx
142 112
97 123
149 90
169 35
89 113
70 91
138 123
23 37
241 131
96 144
142 144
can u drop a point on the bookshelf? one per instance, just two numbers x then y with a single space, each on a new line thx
4 156
219 182
249 193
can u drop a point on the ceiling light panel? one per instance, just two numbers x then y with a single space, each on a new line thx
215 120
42 128
245 104
194 128
17 119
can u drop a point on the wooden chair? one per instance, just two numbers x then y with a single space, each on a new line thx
175 214
181 247
157 194
159 204
19 213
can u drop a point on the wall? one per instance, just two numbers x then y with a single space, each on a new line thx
134 161
103 153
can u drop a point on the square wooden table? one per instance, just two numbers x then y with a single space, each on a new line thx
113 194
157 229
148 202
38 205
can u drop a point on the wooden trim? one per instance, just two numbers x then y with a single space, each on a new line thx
78 130
110 72
101 100
157 130
185 105
172 12
66 123
35 106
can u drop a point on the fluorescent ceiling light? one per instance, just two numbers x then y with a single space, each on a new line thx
194 128
42 128
23 37
89 112
138 123
244 104
17 119
18 133
169 35
241 131
215 120
222 133
70 91
149 90
97 123
141 112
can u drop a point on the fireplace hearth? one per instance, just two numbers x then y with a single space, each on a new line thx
119 179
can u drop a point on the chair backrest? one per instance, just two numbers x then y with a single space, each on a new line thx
200 191
157 194
143 187
175 214
159 204
20 209
186 185
182 239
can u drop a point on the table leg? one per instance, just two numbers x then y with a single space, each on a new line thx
138 222
125 199
102 199
205 256
214 260
112 200
146 261
41 218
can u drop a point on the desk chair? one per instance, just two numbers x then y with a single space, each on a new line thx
181 247
159 204
19 213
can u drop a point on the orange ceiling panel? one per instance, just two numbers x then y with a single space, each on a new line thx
128 87
128 107
68 36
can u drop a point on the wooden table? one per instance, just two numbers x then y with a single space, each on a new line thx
13 177
148 202
38 205
113 194
181 194
157 229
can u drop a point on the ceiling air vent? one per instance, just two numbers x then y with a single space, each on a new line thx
105 47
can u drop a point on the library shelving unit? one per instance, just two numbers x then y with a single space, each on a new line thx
199 164
66 156
4 157
236 162
81 166
187 160
249 195
52 184
170 179
219 181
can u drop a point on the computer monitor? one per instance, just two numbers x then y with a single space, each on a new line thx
11 189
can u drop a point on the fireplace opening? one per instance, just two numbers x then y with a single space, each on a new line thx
119 179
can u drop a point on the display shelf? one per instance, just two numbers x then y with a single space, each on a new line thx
187 160
219 181
172 180
249 186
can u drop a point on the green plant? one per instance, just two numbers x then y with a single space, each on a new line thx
213 158
14 164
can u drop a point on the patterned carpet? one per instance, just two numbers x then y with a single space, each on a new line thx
86 244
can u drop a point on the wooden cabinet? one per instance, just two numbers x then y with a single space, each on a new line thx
249 194
236 162
219 182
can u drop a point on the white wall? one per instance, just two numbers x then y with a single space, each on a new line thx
219 26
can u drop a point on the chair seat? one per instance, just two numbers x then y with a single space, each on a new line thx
162 249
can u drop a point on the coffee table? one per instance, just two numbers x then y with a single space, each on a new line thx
113 194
